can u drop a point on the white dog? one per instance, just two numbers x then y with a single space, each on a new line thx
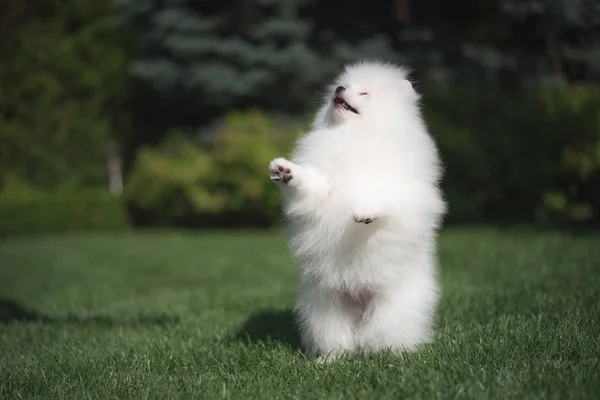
363 206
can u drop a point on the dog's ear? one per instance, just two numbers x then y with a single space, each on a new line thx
407 90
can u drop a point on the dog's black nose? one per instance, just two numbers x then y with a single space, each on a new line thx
339 89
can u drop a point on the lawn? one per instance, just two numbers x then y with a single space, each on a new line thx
208 315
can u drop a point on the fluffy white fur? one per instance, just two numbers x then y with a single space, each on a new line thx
363 206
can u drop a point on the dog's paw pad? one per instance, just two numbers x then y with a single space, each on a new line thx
280 170
365 219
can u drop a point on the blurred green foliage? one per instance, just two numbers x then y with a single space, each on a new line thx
197 60
527 157
508 93
28 211
61 100
224 182
533 157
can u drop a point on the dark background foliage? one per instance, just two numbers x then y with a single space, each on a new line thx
200 95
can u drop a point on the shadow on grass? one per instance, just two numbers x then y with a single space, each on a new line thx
12 312
266 326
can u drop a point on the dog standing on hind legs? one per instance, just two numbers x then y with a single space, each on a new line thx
363 207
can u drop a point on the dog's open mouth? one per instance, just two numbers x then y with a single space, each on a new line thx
338 102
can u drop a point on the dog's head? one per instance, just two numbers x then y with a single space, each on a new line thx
366 90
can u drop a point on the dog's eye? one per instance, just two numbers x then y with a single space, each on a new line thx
364 94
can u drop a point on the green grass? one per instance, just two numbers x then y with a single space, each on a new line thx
172 315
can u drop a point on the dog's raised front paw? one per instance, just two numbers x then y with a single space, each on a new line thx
280 170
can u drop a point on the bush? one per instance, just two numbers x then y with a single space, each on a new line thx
532 157
574 195
63 74
223 182
32 211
